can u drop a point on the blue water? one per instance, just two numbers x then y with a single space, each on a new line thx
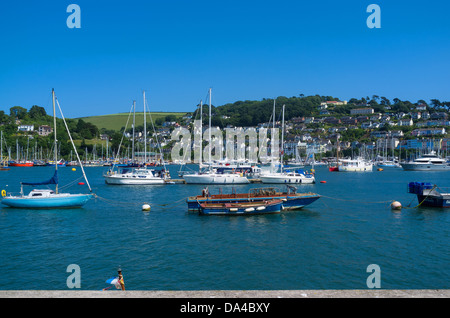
327 245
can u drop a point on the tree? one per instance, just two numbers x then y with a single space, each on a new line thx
385 101
3 117
422 102
18 112
37 112
435 103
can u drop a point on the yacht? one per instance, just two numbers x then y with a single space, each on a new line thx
214 175
427 162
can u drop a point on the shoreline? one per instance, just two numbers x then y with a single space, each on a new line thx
351 293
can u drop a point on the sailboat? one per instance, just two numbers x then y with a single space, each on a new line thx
3 163
137 176
47 198
335 168
213 176
20 162
297 176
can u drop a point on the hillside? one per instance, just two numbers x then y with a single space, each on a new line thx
117 121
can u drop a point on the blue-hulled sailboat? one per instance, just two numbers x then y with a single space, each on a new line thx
47 198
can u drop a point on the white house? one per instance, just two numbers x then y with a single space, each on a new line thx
421 107
405 122
25 128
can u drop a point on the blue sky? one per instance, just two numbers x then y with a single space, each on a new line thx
244 50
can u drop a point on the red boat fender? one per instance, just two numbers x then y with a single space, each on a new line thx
323 182
81 183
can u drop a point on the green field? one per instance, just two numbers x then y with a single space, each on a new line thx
117 121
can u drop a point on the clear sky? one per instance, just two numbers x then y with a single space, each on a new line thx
244 50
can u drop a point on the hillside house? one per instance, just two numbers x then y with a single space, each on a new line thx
405 122
45 130
361 111
428 132
25 128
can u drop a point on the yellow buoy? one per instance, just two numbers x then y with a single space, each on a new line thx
396 205
379 169
146 207
73 169
3 193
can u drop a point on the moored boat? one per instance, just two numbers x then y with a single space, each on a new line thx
242 208
427 162
46 198
298 176
213 176
21 164
128 175
293 200
429 194
358 164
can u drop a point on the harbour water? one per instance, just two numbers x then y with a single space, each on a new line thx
327 245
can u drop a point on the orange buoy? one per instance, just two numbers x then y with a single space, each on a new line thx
81 183
323 182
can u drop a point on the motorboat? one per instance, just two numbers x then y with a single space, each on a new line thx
358 164
427 162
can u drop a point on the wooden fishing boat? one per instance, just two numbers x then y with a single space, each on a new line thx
242 208
293 200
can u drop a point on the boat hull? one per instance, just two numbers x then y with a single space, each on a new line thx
247 208
291 202
118 180
286 179
434 201
215 179
58 201
16 164
428 195
425 167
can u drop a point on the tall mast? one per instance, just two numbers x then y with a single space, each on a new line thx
54 133
134 123
201 133
145 135
209 142
272 138
282 143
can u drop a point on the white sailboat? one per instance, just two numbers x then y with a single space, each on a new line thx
137 176
213 176
47 198
297 176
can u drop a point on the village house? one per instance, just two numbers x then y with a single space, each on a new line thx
416 115
421 107
26 128
405 122
439 115
428 132
333 103
361 111
45 130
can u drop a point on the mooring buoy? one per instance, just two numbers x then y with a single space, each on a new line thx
396 205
